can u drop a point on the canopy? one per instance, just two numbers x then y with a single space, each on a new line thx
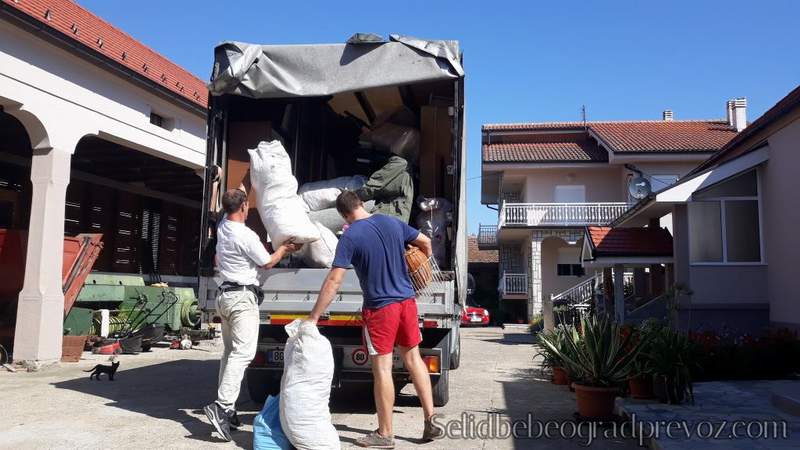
365 61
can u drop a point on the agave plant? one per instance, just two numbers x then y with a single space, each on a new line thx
554 344
599 355
670 356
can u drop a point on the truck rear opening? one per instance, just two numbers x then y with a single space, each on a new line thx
320 101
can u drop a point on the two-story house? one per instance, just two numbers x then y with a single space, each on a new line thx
735 229
548 181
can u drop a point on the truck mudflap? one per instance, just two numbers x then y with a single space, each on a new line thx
347 358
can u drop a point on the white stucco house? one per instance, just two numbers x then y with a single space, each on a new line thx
92 119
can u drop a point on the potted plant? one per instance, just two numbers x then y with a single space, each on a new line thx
640 383
670 355
598 360
556 339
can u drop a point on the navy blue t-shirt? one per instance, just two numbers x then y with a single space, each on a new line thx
375 246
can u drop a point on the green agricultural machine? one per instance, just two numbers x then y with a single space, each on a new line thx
132 305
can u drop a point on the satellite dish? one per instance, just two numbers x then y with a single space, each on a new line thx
639 187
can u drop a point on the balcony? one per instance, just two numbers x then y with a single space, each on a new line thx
559 214
487 237
513 284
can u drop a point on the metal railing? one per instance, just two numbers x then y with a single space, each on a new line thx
581 295
560 214
513 283
487 236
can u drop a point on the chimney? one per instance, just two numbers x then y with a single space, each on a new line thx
737 113
667 115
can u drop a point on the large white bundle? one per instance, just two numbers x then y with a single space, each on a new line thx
306 388
320 253
432 221
319 195
281 209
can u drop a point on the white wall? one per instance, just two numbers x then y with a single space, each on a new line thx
73 98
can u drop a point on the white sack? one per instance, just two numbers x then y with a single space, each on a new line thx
319 195
320 253
432 221
306 388
281 209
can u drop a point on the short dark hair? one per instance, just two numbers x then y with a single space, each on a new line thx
347 202
232 200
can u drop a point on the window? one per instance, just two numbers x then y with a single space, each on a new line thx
570 270
162 121
570 194
567 258
724 225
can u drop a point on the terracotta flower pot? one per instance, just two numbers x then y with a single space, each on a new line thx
560 376
595 402
641 386
72 348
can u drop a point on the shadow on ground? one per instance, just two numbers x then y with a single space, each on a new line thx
166 391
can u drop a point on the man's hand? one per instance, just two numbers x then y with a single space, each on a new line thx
329 289
423 243
291 247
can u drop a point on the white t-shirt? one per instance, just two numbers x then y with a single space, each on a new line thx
239 253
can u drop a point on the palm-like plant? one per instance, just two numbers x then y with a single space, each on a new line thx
670 360
599 355
554 344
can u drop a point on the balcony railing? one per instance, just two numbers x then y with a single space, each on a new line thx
513 283
560 214
487 236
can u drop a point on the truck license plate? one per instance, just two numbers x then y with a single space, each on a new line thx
275 356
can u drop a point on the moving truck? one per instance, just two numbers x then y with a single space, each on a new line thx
319 101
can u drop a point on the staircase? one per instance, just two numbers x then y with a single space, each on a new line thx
579 297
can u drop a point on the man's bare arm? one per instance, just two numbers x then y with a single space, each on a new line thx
279 253
329 289
423 243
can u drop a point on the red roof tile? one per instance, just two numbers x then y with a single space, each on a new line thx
649 136
664 136
476 255
607 241
544 152
80 25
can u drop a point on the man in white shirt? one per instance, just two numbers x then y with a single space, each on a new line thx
239 255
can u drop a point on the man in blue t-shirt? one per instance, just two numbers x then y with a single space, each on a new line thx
375 246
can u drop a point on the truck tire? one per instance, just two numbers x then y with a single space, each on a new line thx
261 384
455 354
441 389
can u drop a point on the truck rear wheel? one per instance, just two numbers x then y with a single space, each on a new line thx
455 355
261 384
441 389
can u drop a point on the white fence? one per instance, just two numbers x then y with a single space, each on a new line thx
560 214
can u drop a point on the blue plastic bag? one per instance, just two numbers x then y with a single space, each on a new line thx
267 431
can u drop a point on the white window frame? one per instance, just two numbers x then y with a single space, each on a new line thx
723 230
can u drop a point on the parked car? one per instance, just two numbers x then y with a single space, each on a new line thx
474 314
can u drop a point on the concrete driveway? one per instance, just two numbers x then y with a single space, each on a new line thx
155 403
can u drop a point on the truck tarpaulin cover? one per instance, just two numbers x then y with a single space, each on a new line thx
364 62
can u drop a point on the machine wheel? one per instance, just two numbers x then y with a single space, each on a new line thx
261 384
441 389
455 355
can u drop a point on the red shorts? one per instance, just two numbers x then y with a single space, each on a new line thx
393 324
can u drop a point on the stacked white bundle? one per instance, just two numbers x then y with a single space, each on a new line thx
282 211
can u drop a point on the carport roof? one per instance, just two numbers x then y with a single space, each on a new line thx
607 241
75 23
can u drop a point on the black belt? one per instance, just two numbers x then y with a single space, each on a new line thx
255 289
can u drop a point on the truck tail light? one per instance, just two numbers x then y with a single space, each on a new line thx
259 360
432 363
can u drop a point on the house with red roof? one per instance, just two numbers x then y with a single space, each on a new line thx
735 219
98 134
550 181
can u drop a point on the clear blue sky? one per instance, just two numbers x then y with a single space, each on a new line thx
525 60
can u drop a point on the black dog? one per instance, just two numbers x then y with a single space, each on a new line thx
100 368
